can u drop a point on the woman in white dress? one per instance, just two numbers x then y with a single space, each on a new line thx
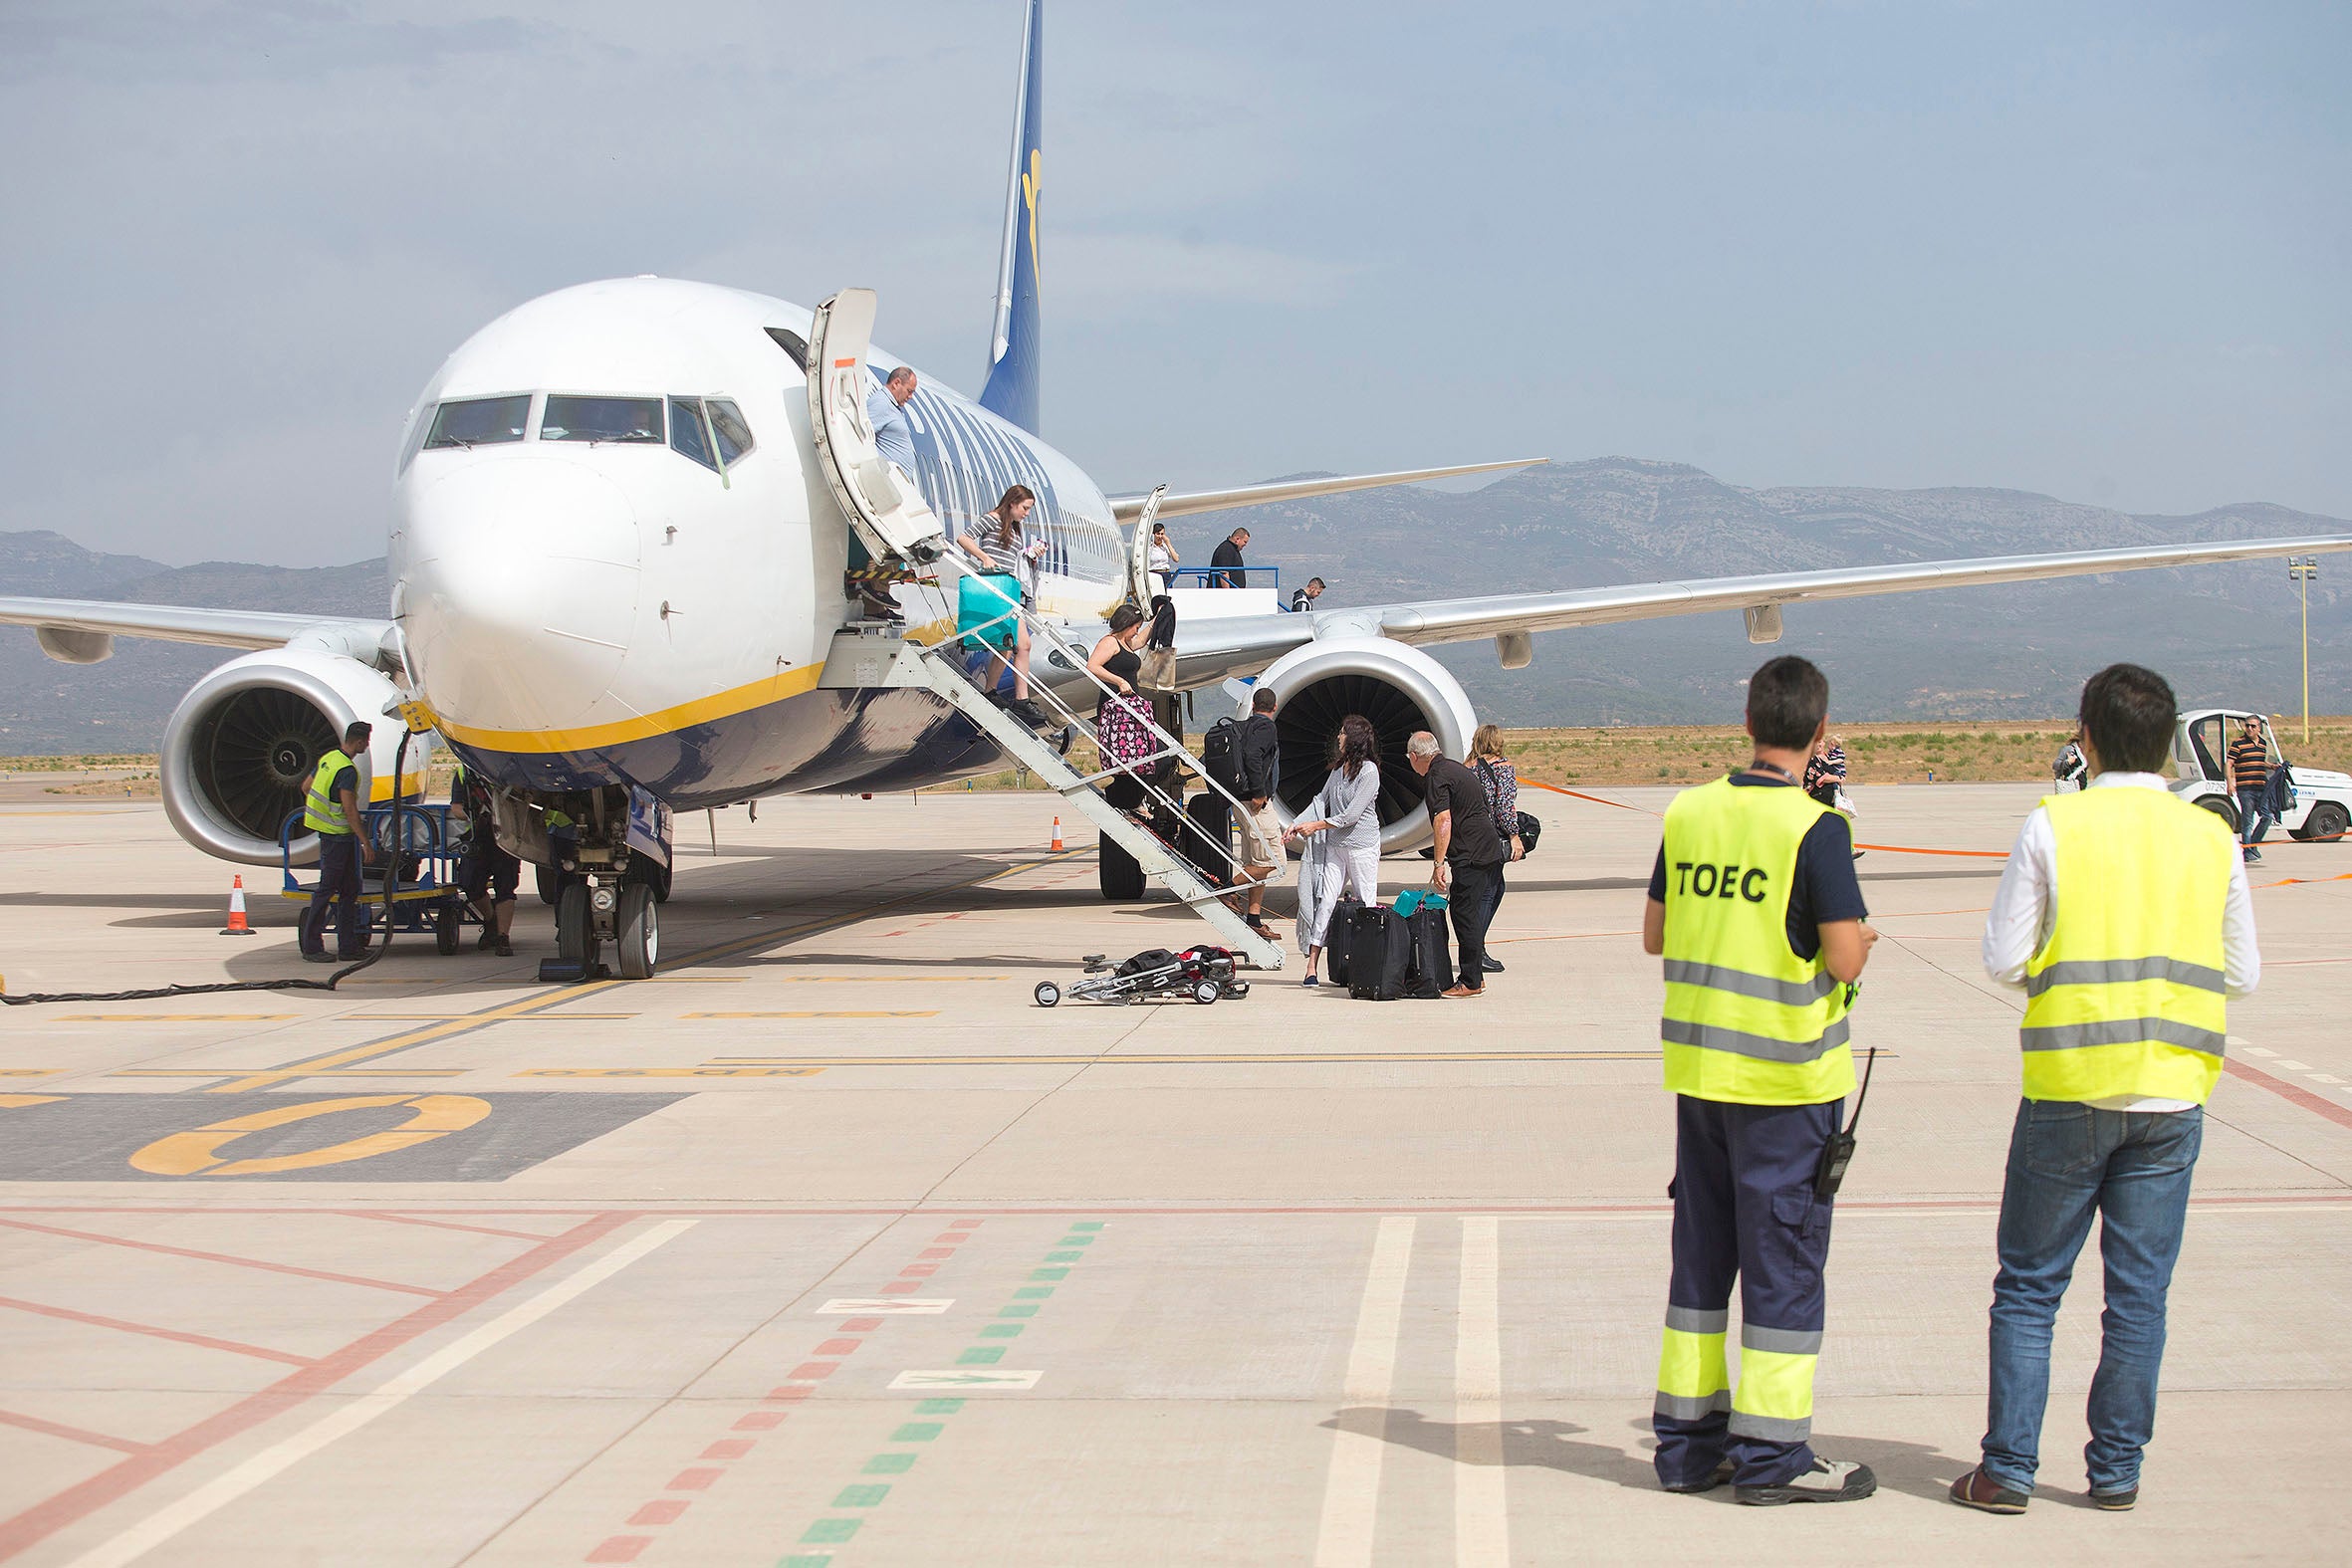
1341 834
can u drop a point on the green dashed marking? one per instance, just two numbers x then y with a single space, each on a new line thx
1087 1225
1064 1257
1049 1273
917 1431
1001 1330
830 1532
890 1464
864 1496
808 1560
1022 1309
1032 1292
1076 1241
981 1356
938 1407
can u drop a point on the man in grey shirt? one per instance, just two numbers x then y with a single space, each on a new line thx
885 405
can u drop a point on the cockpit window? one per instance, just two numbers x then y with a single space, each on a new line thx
571 418
479 421
689 437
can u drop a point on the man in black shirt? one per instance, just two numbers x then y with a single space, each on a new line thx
1229 554
1303 600
1470 854
1257 754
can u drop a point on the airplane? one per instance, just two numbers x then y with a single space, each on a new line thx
624 512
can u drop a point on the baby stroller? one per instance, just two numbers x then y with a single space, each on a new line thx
1153 975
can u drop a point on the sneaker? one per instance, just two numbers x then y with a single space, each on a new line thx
1491 964
1721 1475
485 941
2116 1502
317 958
1311 981
1829 1480
1027 713
505 949
1979 1490
2254 856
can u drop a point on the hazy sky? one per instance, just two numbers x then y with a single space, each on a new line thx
2093 249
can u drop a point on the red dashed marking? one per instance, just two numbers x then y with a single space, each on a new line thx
804 1378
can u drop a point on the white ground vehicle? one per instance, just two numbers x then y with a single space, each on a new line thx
2200 744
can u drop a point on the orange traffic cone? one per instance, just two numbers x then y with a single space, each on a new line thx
237 926
1057 835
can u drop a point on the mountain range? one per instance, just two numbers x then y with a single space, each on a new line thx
2223 634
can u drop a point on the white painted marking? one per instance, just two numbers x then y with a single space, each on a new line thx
2293 1066
1481 1518
885 1306
283 1456
2325 1077
967 1378
2256 1051
1352 1490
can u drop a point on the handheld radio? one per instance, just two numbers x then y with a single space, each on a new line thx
1838 1151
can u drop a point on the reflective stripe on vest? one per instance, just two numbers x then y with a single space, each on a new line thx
1745 1020
322 812
2126 997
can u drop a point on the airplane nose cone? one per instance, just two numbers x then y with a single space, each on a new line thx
520 591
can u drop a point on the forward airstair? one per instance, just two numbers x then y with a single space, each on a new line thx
889 515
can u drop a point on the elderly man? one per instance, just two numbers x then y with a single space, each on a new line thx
1469 856
885 406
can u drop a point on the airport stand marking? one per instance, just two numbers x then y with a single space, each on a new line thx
861 1317
836 1529
529 1005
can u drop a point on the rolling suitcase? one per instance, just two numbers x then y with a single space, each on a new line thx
1339 937
1432 965
1380 954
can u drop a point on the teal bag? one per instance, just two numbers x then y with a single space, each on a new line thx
1413 898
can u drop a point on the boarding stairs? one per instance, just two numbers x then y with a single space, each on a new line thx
887 510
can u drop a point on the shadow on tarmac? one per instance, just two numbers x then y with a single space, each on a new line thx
1912 1469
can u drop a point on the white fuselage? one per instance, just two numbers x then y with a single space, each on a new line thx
586 611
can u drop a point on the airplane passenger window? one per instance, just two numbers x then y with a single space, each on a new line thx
735 437
601 420
686 431
479 421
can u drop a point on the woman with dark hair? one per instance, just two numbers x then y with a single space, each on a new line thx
1122 721
1006 581
1342 830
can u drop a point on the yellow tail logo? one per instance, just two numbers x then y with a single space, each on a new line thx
1030 184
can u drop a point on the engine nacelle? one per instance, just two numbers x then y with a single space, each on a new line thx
241 747
1399 689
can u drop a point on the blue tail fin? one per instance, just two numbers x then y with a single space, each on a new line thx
1012 389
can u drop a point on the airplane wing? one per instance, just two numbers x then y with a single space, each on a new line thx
1242 646
1127 509
221 628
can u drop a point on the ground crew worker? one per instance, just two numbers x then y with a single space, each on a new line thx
331 810
2124 917
489 873
1754 907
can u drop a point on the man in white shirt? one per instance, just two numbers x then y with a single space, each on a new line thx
2124 917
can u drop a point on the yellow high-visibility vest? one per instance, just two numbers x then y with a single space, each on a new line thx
2126 998
322 812
1745 1020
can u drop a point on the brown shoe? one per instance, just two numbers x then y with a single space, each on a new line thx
1979 1490
1459 992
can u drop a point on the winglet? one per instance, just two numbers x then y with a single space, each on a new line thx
1012 389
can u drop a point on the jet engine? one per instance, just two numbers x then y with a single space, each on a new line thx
1399 689
240 749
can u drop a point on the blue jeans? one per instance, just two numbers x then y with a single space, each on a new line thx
2252 820
2068 1162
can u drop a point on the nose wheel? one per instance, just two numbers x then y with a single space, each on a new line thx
576 928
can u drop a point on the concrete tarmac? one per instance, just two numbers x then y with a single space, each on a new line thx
827 1246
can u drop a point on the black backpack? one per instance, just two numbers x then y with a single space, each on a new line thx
1220 755
1380 954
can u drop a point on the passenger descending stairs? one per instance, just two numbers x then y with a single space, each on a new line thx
890 516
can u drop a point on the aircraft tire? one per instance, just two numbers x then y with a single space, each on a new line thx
550 882
639 945
1119 873
576 930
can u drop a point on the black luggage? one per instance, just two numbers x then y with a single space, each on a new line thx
1220 755
1379 956
1339 937
1430 968
1206 838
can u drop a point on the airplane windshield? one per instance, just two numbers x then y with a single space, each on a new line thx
601 420
480 421
688 435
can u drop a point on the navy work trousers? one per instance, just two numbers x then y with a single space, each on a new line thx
338 882
1744 1209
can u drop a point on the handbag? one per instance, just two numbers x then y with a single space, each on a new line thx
1529 826
1158 671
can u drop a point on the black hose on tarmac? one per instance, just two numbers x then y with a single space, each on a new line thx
392 886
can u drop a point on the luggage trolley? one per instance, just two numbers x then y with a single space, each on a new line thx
428 897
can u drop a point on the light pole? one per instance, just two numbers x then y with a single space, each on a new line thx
2300 569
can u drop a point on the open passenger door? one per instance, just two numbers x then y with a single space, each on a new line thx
880 498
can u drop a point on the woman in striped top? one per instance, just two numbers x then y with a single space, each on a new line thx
1006 579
